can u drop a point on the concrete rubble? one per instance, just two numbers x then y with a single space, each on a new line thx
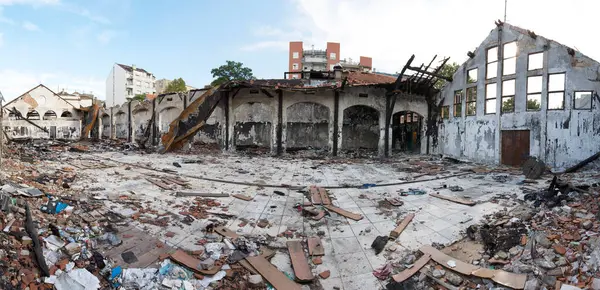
108 216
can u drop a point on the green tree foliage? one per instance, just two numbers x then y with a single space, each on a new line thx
533 105
232 70
508 105
138 97
447 70
176 86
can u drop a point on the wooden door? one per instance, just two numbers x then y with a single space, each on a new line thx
515 147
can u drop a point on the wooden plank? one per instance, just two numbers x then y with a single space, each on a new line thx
159 184
400 277
315 247
315 196
319 216
201 194
243 197
176 181
398 230
279 280
344 212
454 199
247 265
441 258
512 280
226 232
324 196
192 263
299 263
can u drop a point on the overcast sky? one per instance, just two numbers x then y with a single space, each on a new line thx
73 44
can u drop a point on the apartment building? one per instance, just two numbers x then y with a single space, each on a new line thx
306 60
127 81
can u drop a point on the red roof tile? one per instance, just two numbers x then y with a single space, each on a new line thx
367 78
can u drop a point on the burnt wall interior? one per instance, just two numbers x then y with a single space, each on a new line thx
121 125
360 129
105 125
307 126
141 118
253 127
406 132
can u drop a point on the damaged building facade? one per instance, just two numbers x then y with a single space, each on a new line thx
327 114
40 113
521 95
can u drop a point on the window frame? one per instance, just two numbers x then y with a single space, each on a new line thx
447 114
474 100
295 66
495 98
527 93
528 60
553 92
332 56
488 62
295 55
504 58
591 92
459 103
476 75
513 96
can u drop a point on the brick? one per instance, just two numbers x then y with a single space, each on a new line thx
317 260
559 249
170 234
325 274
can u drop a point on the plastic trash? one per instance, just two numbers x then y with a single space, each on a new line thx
368 185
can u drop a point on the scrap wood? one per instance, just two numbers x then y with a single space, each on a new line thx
279 280
398 230
226 232
265 253
442 283
192 263
159 184
344 212
315 247
394 201
243 197
299 263
319 216
420 263
512 280
173 180
201 194
441 258
454 199
315 195
324 196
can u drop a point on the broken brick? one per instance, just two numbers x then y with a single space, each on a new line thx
560 249
317 260
170 234
325 274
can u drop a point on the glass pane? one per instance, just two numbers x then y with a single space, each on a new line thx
471 108
492 70
458 110
490 91
445 112
509 66
583 100
556 101
472 76
492 54
457 96
534 102
472 94
556 82
534 84
508 88
508 105
490 106
510 49
536 61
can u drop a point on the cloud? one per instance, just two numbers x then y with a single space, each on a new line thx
15 82
4 19
84 13
30 26
106 36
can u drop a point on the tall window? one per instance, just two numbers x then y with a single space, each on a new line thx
458 103
556 91
295 54
535 61
534 93
445 112
508 96
491 70
472 101
490 98
509 62
472 76
583 100
332 56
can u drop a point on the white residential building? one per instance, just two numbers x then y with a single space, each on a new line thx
127 81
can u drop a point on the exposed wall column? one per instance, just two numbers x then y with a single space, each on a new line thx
129 123
336 126
153 128
100 125
498 116
386 134
279 136
112 124
228 122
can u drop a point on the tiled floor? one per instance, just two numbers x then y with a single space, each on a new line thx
347 243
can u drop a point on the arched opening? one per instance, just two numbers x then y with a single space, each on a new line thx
106 125
406 132
307 126
141 117
121 125
33 115
166 116
66 114
252 126
360 128
49 115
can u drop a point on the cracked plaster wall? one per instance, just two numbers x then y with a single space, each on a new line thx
561 138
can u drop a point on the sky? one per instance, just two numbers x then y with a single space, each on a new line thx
72 45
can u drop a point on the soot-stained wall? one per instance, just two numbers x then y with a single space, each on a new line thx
361 128
253 125
307 126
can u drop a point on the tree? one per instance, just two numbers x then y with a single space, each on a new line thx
230 71
447 70
138 97
176 86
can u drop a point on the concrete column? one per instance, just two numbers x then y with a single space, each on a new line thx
100 125
279 128
229 123
335 120
500 62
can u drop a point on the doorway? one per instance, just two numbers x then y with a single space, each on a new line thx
515 147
